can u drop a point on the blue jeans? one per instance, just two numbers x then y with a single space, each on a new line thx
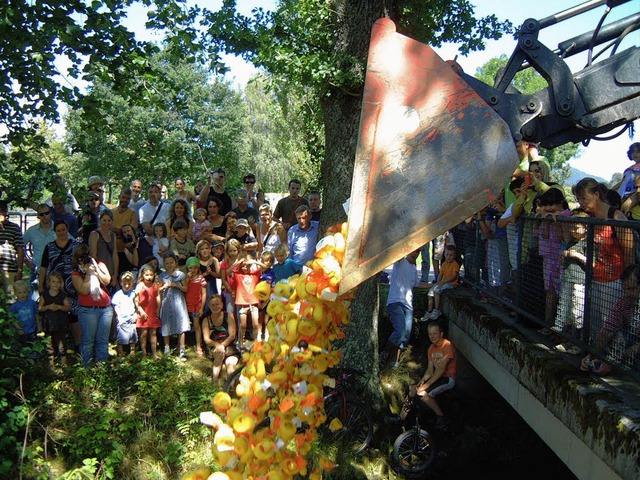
401 318
425 265
96 325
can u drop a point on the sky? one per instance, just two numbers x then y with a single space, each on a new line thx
602 159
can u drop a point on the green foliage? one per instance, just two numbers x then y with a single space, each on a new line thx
303 40
183 119
440 21
31 169
132 418
284 132
32 34
15 361
526 81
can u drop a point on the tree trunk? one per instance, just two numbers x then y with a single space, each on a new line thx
341 110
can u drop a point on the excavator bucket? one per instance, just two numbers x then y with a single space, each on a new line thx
430 154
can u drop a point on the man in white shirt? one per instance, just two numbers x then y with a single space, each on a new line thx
153 211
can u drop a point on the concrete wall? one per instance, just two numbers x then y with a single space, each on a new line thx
593 428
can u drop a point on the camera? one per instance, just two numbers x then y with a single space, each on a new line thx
128 239
85 259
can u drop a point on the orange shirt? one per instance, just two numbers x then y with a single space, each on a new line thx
449 268
437 354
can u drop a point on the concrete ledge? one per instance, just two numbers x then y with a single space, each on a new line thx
592 427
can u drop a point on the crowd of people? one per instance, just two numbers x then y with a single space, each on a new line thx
152 272
512 254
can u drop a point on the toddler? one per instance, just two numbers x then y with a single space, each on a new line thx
160 242
124 306
26 312
201 225
55 307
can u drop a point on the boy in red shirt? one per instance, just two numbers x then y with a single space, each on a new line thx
196 297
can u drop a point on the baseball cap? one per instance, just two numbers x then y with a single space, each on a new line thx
93 180
242 222
192 262
217 243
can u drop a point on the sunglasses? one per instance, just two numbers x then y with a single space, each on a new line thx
250 183
44 214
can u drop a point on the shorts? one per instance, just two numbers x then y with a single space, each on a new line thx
439 289
243 310
440 386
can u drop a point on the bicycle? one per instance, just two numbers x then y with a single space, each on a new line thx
356 419
415 450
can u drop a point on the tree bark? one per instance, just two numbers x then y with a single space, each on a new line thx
341 110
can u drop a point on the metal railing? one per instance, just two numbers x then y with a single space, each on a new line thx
564 275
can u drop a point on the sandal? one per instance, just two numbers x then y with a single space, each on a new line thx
199 353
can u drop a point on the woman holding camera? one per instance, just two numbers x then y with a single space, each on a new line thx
129 258
95 314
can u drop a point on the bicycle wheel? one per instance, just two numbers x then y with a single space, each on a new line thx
232 381
414 451
357 424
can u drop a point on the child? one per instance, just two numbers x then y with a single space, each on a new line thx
147 300
181 246
160 242
219 334
217 250
243 235
247 275
268 275
438 246
448 278
201 226
286 266
124 306
233 254
55 308
550 237
570 314
26 311
173 312
209 268
231 220
268 259
498 268
196 297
